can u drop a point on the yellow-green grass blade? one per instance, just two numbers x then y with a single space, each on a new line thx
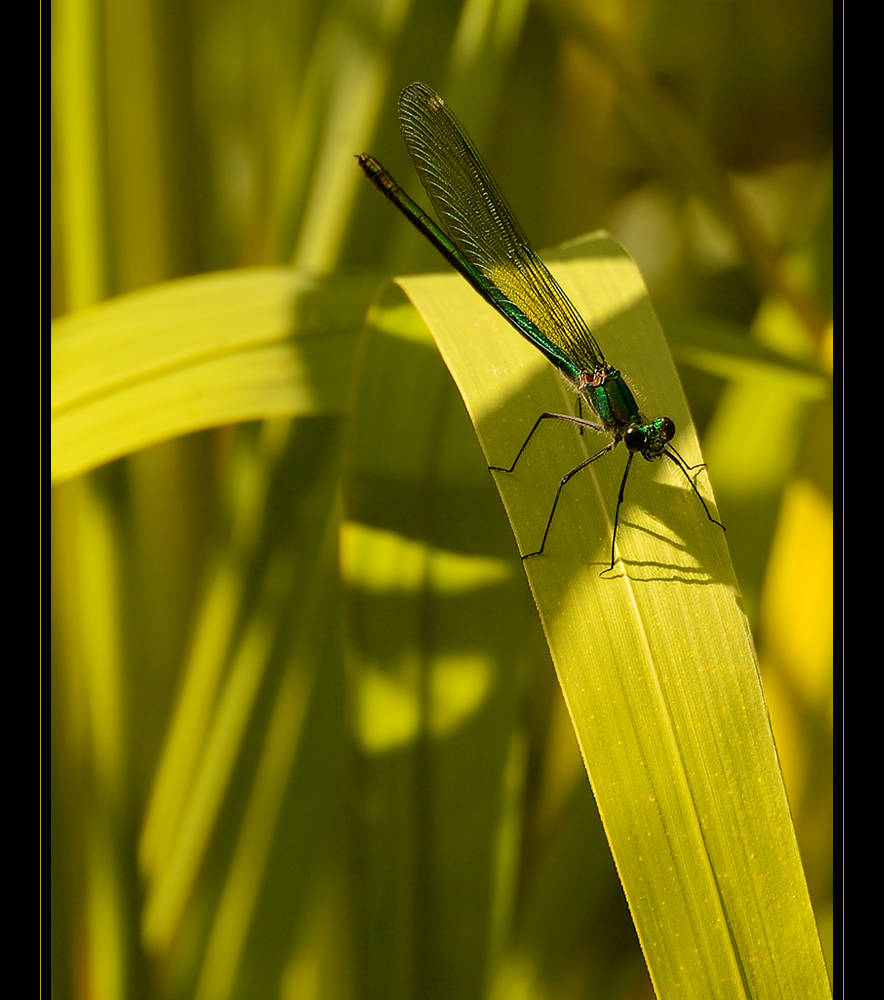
197 353
441 641
655 660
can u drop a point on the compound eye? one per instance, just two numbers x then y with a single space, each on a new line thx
667 429
635 438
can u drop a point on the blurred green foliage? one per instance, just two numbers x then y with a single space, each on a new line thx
229 818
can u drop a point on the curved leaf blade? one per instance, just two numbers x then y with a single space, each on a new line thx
197 353
656 663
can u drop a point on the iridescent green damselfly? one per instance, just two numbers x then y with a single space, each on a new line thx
482 240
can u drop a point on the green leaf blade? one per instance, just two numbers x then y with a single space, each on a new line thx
655 659
202 352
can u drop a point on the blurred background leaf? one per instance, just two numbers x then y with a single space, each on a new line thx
281 737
